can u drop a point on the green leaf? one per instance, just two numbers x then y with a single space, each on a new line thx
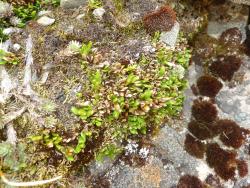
146 95
81 141
132 79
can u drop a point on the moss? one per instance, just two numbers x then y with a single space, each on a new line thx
209 86
194 90
194 147
242 168
231 37
223 161
225 67
188 181
204 111
160 20
204 46
201 130
233 135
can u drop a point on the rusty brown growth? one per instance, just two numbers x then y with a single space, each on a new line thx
160 20
209 86
194 147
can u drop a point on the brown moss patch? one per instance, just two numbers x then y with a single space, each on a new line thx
204 111
194 90
242 168
188 181
160 20
209 86
233 135
194 147
202 130
231 37
223 161
225 67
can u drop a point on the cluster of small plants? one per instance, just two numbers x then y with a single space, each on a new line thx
125 98
205 123
12 157
54 140
23 11
7 58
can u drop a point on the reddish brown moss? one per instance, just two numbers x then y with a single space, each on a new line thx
188 181
242 168
209 86
201 130
194 90
225 67
231 36
204 111
194 147
223 161
232 134
160 20
203 46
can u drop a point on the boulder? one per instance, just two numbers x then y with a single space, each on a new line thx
69 4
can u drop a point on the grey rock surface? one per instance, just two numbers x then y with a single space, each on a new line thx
45 21
69 4
99 12
170 37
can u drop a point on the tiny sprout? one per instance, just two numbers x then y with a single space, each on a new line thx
74 46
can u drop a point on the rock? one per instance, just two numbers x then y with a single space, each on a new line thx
239 14
98 13
43 12
5 9
80 16
45 21
16 47
68 4
170 37
10 30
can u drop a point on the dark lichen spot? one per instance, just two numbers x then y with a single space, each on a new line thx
194 147
188 181
204 111
231 37
160 20
223 161
225 67
213 181
232 134
201 130
242 168
194 89
209 86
